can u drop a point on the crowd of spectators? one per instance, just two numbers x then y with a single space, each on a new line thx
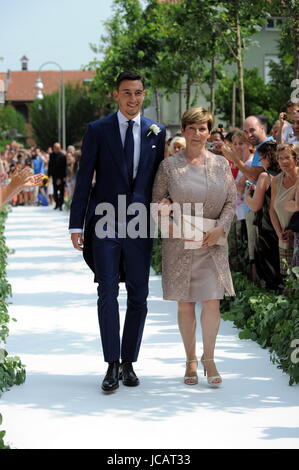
58 168
265 167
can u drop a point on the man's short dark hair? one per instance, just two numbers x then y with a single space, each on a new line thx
128 75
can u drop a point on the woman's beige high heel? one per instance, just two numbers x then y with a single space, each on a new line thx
211 380
193 379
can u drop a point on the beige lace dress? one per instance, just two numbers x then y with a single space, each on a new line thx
203 273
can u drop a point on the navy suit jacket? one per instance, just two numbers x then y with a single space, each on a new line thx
102 151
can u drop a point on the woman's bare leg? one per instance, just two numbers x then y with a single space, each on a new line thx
187 326
210 322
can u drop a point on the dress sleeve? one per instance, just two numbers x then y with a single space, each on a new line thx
229 208
160 187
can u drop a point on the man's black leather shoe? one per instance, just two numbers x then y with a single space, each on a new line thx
110 382
127 375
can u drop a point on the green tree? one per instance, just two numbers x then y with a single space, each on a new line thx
287 69
178 44
115 47
137 39
257 97
79 109
10 119
238 21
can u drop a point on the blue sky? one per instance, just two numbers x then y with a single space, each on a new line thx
50 30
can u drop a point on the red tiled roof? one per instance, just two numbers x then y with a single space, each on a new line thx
21 86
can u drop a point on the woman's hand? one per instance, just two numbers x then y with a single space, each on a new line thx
287 236
3 173
25 179
164 207
229 153
211 238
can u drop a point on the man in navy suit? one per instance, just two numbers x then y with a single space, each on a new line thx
123 151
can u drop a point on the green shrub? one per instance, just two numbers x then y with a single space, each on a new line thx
12 371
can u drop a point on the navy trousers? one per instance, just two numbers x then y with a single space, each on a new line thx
136 256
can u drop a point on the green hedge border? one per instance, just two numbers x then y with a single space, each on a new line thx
12 371
269 318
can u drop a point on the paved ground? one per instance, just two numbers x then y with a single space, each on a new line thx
56 334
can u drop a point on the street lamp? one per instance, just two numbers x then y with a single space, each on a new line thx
61 100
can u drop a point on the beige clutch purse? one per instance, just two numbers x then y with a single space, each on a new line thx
194 228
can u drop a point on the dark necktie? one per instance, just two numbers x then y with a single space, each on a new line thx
129 150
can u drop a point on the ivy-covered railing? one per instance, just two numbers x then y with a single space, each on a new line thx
12 371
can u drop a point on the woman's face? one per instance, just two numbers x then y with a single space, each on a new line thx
242 149
287 162
177 146
196 134
265 161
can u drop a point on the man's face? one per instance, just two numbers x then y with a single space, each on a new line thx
291 110
130 96
56 148
254 131
294 120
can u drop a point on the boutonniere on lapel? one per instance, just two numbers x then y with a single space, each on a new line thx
153 129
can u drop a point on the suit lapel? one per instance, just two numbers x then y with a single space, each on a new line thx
145 149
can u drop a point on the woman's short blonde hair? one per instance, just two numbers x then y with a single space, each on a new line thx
197 114
176 139
291 147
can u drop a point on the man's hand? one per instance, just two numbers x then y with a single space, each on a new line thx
77 241
282 119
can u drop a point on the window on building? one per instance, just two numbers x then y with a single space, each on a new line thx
273 23
267 60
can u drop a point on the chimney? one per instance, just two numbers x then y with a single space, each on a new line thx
24 62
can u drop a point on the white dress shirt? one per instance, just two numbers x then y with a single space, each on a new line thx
123 125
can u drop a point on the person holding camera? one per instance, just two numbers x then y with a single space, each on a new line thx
286 134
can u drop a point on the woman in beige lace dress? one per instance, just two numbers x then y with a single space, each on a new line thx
195 175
